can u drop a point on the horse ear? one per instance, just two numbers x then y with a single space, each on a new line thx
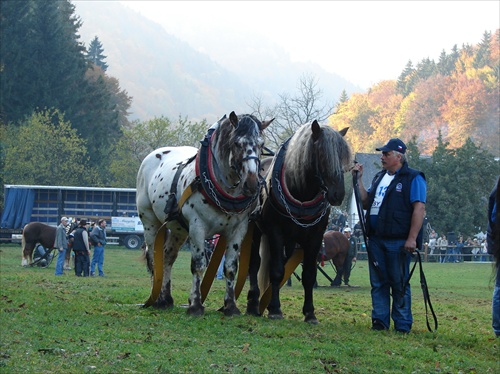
233 118
265 124
343 131
316 130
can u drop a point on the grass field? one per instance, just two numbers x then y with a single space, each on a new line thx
78 325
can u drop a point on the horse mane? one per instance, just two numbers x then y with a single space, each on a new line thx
300 157
227 134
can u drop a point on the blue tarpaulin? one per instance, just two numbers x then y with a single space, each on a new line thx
18 207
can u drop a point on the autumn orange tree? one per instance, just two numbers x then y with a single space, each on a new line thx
458 97
446 111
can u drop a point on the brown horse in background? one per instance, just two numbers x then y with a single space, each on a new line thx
335 249
37 232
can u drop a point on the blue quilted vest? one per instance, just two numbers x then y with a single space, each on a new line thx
394 217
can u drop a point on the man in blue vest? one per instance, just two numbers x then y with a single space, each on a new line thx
395 205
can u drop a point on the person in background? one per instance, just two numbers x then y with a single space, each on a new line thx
81 249
342 221
358 231
484 251
467 250
459 249
41 256
432 241
395 204
98 237
61 244
493 246
345 273
442 244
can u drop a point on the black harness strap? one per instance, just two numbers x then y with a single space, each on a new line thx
214 194
362 222
172 209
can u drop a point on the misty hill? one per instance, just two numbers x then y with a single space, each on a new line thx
165 76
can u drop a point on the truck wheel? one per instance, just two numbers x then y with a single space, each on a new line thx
132 242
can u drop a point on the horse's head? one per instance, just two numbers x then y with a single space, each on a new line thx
333 158
241 143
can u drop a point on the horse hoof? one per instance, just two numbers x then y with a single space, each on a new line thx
275 316
234 311
164 302
253 311
312 320
163 305
195 311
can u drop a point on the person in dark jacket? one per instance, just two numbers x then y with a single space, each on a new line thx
493 246
81 249
395 205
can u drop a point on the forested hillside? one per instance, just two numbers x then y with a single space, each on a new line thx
457 97
47 76
65 118
167 77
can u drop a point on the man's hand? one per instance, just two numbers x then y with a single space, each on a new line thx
410 245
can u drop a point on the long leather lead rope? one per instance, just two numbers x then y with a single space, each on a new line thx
425 291
362 222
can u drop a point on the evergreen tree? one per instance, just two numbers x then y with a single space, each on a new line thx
442 65
458 182
16 88
453 58
426 69
482 57
42 60
44 66
343 97
94 54
406 80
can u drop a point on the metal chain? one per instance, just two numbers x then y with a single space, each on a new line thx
213 193
305 225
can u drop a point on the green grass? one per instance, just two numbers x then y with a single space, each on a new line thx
77 325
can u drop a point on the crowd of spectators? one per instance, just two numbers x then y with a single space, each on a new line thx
448 248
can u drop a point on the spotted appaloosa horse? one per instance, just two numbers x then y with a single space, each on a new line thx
37 232
306 177
225 184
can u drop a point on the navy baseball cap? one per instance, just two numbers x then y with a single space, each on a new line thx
394 144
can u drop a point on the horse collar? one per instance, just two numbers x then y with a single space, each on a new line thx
210 188
308 212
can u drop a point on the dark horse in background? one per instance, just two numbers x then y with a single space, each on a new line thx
336 247
37 232
305 179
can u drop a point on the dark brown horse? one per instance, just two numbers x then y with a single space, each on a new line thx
305 179
336 247
37 232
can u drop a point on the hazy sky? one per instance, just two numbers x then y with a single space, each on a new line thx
363 41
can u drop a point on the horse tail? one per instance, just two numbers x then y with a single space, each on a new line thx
265 263
24 259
